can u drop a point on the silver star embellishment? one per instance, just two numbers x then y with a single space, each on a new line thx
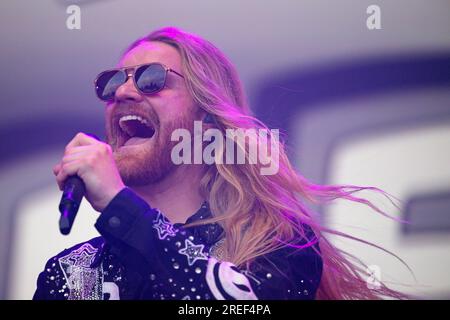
193 252
164 228
83 256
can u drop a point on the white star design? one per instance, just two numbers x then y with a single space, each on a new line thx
83 256
193 252
164 229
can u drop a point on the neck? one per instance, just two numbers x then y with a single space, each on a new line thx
177 196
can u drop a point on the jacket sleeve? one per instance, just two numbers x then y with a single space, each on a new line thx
50 283
173 264
43 285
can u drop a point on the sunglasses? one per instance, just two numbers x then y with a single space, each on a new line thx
148 79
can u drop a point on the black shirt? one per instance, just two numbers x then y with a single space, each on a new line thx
141 255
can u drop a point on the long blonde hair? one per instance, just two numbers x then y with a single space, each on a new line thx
270 208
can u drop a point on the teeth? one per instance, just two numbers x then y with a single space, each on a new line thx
133 117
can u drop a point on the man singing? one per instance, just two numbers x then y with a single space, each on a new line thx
193 230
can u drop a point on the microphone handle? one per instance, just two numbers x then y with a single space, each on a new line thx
74 190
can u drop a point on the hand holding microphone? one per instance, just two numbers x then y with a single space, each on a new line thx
87 168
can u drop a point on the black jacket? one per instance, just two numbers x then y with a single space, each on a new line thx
141 255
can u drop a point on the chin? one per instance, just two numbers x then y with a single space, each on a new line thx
137 171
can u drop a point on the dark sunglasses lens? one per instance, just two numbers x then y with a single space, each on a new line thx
108 82
150 78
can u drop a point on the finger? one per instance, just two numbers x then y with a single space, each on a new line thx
75 155
81 139
87 153
69 169
77 149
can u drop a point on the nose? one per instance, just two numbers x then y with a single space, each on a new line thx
128 92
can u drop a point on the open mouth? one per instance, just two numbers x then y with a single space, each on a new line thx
134 129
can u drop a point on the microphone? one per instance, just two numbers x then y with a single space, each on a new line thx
74 190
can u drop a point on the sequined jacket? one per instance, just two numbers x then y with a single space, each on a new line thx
141 255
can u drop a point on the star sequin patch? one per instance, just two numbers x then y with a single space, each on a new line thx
193 252
163 227
84 282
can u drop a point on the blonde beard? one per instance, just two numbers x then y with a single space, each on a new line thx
144 169
151 164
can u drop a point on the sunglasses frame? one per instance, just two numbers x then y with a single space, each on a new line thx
130 72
